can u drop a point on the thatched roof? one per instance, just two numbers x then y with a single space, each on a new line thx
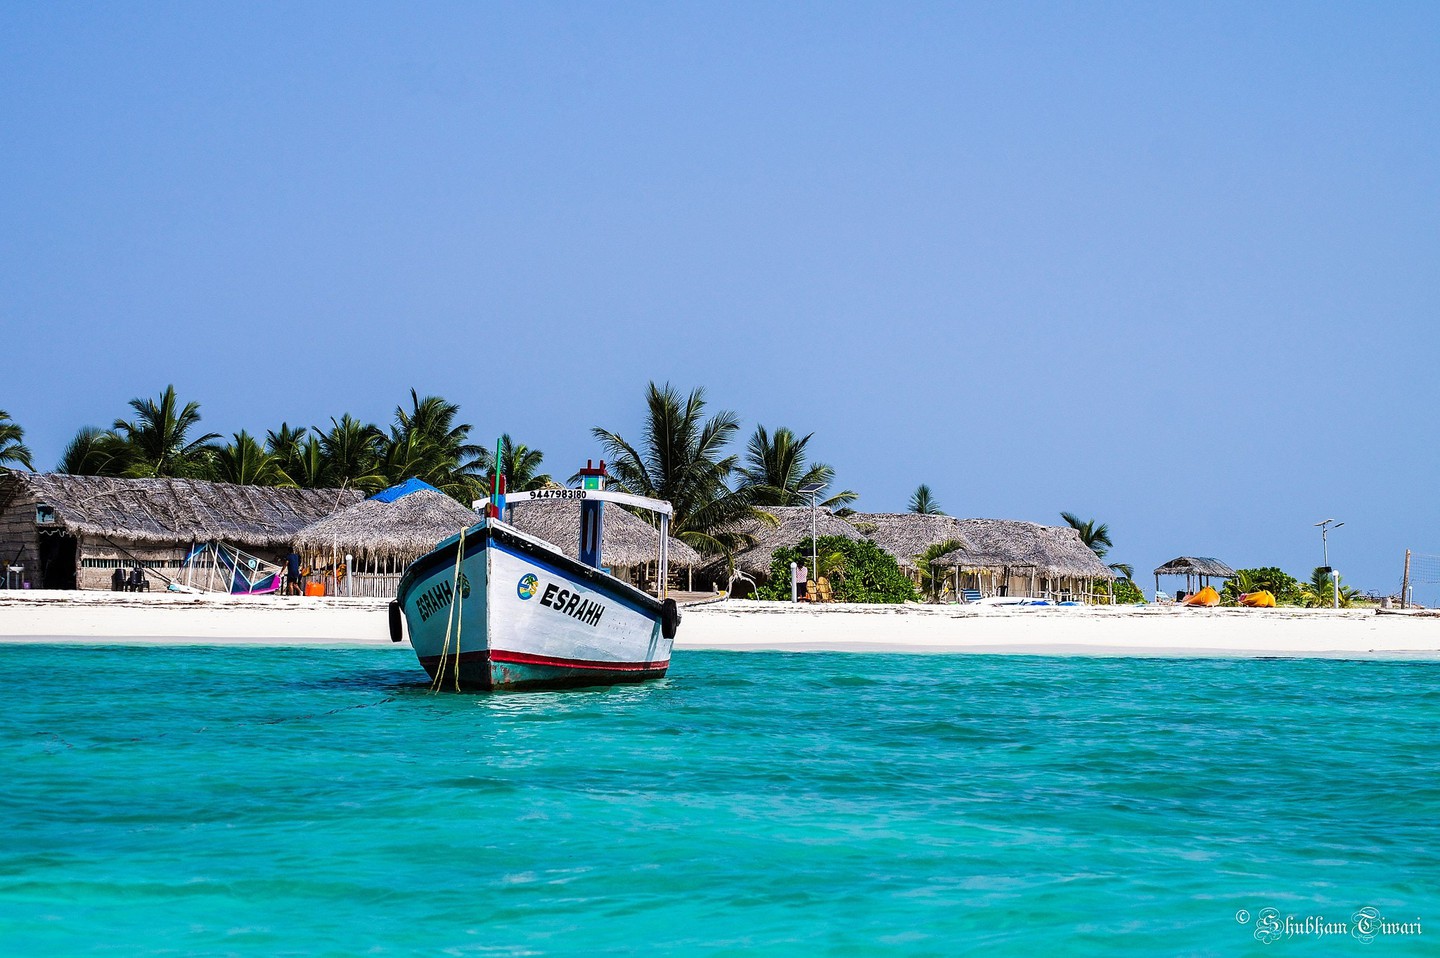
906 535
1196 565
794 526
627 539
175 510
1052 551
404 529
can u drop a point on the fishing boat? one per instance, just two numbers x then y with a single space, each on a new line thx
493 608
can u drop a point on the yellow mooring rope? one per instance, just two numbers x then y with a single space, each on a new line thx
452 615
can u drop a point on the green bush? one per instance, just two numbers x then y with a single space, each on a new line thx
1283 586
1126 592
858 571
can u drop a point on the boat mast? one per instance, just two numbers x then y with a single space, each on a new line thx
592 515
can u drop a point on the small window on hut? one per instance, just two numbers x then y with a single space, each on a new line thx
44 515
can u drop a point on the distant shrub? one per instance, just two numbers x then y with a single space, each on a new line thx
1126 592
1286 588
859 571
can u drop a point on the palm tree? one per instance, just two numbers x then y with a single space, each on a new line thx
157 441
923 502
13 450
1097 538
1319 592
430 445
522 466
930 582
245 463
775 469
284 443
405 456
352 454
306 468
93 452
682 461
288 446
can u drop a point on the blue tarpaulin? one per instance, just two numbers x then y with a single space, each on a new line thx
402 490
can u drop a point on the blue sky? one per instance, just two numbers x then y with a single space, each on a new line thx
1169 265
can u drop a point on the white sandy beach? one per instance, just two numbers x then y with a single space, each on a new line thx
167 618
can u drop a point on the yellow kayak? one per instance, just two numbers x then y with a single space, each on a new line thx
1263 599
1206 597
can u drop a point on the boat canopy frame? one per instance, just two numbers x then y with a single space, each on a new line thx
657 506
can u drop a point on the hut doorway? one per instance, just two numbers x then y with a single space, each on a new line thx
57 561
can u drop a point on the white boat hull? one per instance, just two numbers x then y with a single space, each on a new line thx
516 613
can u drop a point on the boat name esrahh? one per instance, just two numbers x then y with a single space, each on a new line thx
570 603
440 596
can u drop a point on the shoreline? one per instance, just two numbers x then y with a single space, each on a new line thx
105 618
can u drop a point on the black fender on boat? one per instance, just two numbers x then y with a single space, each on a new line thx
396 628
669 618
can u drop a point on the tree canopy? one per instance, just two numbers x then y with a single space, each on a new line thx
923 501
426 441
776 468
1097 537
682 460
13 451
160 441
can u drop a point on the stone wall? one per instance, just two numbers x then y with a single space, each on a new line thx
99 559
18 543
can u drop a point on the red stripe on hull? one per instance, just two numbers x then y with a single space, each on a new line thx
489 670
524 658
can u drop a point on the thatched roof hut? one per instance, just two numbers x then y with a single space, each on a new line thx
627 540
173 510
409 526
384 535
1197 570
906 535
1197 566
1048 551
793 527
80 532
404 529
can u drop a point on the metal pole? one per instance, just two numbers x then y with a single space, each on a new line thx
1405 583
814 557
664 570
1335 581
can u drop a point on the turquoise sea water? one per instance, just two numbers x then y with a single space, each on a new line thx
259 801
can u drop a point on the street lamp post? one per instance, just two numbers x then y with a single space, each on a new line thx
1325 526
812 489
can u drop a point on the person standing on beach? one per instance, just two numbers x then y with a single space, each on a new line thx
801 576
